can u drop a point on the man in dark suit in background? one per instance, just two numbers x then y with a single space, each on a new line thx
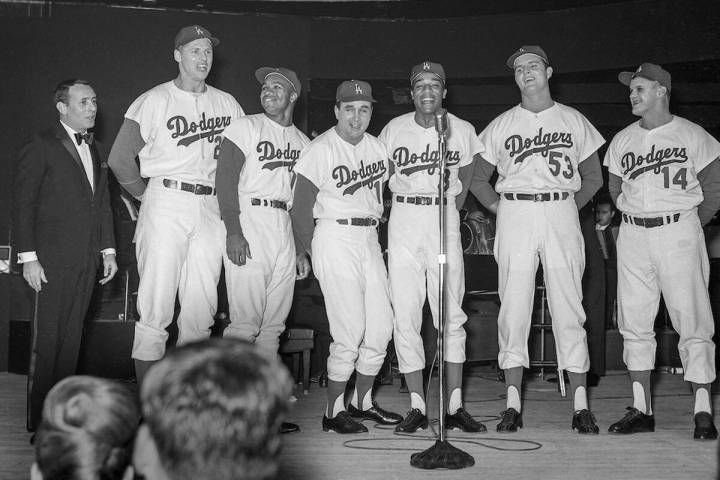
63 227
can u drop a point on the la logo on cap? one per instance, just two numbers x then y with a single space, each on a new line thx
426 65
358 89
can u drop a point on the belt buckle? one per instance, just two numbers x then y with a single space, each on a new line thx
196 189
538 197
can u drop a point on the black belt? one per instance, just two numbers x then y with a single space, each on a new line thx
197 189
420 200
652 221
358 222
269 203
537 197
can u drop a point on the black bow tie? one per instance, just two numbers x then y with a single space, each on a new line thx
87 136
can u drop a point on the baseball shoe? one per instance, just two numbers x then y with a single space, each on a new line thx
413 421
704 427
584 422
287 427
342 423
510 420
633 422
463 421
375 413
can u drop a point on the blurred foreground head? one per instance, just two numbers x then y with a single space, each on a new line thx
213 410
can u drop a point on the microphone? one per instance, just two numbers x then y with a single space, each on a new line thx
441 124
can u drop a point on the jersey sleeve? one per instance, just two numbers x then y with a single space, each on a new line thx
708 149
611 158
486 142
311 164
475 146
239 112
145 111
240 132
589 138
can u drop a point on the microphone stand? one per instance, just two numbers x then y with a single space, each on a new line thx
442 454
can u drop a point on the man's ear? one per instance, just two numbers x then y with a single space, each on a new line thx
176 55
35 473
62 108
145 455
549 71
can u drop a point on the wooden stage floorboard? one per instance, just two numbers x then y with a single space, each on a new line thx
545 449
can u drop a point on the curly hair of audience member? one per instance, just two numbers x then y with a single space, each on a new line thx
87 430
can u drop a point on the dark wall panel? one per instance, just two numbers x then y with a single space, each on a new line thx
124 52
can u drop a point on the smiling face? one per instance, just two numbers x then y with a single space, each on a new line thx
276 95
81 108
645 95
195 59
427 93
531 73
353 119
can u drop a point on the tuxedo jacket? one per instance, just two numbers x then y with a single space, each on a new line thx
56 212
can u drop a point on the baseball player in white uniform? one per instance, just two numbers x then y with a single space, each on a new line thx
255 190
340 177
413 240
175 129
254 184
665 178
545 156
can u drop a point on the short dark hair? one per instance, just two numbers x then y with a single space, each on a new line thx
605 199
214 409
87 429
61 91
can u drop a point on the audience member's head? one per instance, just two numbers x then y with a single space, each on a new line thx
212 410
87 431
604 210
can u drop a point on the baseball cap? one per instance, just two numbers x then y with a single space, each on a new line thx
649 71
263 72
193 32
427 67
353 90
527 50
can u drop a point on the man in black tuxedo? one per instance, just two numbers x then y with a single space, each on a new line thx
63 226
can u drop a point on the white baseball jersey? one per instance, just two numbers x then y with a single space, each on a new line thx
349 177
539 152
271 151
414 152
659 167
182 131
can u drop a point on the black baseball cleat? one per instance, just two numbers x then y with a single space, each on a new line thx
287 427
584 422
463 421
510 420
633 422
342 423
375 413
704 427
414 420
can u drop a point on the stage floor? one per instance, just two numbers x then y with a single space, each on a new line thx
545 449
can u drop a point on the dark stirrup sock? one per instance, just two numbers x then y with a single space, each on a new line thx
334 391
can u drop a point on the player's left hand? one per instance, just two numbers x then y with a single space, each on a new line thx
109 268
303 266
